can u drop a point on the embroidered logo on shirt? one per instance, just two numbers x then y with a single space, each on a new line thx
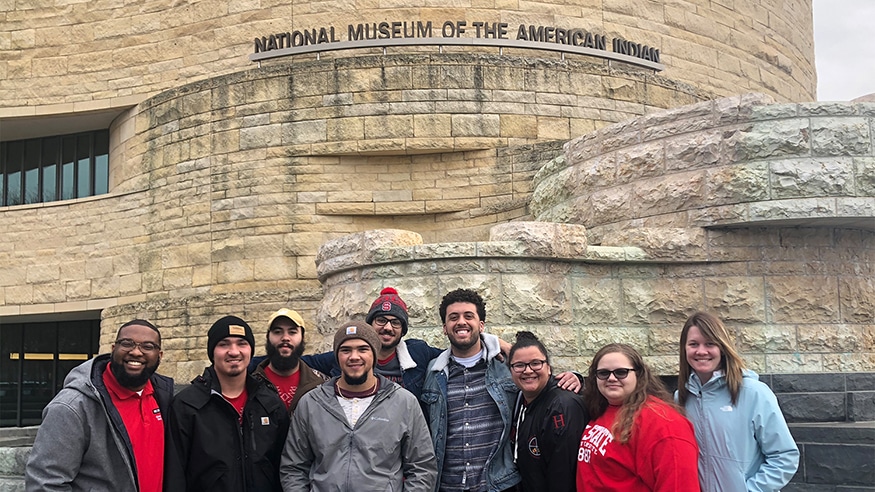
558 421
726 408
534 449
157 413
265 420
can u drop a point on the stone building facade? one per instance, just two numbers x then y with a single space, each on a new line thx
240 188
591 196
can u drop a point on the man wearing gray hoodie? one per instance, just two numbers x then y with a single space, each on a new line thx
105 430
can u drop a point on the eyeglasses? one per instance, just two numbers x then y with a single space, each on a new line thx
620 373
128 344
535 365
381 321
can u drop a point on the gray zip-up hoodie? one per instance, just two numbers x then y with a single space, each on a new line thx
82 443
389 448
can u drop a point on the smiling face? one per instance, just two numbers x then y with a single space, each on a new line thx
356 361
530 382
133 367
616 390
285 344
703 354
231 356
463 327
390 336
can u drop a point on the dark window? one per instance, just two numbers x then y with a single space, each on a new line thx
34 360
54 168
49 165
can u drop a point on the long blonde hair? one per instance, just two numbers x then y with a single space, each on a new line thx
647 385
730 362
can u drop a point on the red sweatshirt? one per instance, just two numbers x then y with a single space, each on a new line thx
661 453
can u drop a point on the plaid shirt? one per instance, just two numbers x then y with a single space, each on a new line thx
474 428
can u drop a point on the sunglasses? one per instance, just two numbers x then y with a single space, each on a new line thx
620 373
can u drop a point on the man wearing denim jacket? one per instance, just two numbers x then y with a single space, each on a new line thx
468 399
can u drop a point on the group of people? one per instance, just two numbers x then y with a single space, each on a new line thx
383 412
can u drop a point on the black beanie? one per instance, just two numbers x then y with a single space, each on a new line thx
229 326
389 303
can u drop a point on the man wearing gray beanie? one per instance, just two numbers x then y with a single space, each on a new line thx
358 431
222 413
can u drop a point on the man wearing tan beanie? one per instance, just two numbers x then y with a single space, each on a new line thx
358 431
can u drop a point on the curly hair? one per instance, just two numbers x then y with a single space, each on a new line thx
648 385
730 362
463 295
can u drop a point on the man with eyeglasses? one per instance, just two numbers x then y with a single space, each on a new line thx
105 429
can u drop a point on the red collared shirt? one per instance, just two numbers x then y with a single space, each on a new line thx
145 426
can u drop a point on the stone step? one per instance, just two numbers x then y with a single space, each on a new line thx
834 456
834 432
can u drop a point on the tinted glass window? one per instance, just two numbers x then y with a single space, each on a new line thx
54 168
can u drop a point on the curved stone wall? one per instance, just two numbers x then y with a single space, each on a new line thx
728 163
81 56
211 226
797 299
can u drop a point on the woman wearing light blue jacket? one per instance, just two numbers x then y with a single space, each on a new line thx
744 442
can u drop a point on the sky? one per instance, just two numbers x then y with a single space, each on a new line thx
844 48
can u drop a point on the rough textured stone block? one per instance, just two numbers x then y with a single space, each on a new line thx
860 381
861 406
813 407
837 464
807 383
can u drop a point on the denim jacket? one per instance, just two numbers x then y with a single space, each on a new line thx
501 471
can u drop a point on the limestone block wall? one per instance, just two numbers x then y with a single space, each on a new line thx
732 162
61 57
797 299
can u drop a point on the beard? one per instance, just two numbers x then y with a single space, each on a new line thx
463 346
389 346
355 381
131 381
281 362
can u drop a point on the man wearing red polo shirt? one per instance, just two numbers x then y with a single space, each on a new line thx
105 429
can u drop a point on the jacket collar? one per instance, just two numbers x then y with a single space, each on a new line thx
489 341
404 357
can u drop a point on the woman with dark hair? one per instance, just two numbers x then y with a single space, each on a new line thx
637 439
743 438
548 421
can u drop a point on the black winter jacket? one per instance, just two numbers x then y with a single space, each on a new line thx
547 439
213 452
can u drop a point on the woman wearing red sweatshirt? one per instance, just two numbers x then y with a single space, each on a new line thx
637 439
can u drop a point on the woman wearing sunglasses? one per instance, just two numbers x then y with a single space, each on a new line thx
637 439
548 421
742 434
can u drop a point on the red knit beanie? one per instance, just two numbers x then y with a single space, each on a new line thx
389 303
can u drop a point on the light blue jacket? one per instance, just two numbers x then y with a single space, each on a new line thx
746 446
501 473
